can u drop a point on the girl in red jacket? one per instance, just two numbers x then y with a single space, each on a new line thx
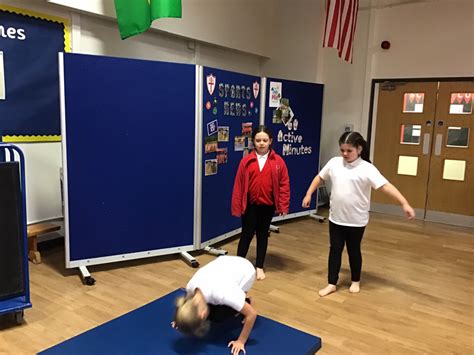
261 188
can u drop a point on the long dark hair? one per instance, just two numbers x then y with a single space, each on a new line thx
259 129
356 140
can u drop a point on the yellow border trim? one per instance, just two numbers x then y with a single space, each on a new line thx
65 22
31 139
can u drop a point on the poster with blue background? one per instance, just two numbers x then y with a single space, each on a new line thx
231 103
293 112
29 46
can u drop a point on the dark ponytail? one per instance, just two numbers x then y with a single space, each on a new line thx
355 139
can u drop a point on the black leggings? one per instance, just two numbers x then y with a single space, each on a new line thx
220 313
352 237
257 219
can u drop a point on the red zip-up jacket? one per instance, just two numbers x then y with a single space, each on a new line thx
280 180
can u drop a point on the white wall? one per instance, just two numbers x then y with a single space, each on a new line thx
343 89
280 38
429 39
296 40
241 25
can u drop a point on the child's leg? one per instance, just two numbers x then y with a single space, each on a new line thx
336 238
264 218
353 241
249 222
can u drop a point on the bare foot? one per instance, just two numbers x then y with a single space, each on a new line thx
327 290
355 287
260 274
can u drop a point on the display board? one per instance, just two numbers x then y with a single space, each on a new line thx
29 84
230 111
128 129
293 112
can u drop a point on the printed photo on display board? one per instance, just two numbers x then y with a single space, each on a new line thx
211 144
276 118
223 133
211 167
239 143
247 129
275 94
221 155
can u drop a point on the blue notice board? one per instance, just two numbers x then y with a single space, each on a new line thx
29 46
130 139
231 104
293 112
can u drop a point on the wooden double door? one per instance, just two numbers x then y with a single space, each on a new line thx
423 144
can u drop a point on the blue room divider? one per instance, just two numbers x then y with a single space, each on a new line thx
150 152
128 129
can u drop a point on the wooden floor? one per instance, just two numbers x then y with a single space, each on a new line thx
416 296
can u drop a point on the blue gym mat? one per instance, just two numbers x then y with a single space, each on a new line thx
147 330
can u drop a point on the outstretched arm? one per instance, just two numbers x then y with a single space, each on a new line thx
250 315
314 185
393 192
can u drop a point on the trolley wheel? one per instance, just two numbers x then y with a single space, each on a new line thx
322 220
19 317
194 264
89 280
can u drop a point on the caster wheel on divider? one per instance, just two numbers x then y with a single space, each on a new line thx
322 220
194 264
89 280
19 317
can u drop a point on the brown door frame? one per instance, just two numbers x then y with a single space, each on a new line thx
462 221
381 81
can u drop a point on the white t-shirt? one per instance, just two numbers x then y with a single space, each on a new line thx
224 281
350 192
262 159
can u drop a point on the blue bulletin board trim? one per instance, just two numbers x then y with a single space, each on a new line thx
20 138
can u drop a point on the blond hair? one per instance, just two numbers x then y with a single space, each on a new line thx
187 318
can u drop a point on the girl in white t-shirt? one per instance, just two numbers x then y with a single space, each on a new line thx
352 176
216 292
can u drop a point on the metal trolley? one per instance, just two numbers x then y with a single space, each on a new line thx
18 301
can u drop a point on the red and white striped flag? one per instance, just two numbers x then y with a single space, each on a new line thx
341 20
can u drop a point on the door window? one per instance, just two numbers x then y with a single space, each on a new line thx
413 102
461 103
410 134
457 137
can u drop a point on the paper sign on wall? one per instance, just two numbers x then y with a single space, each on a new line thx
275 94
2 78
